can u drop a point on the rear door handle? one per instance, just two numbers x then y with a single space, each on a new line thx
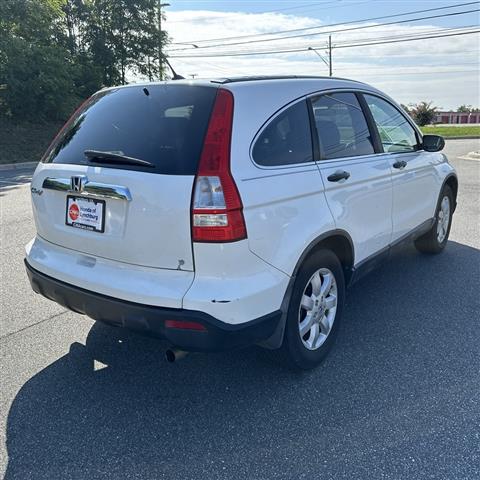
400 164
337 176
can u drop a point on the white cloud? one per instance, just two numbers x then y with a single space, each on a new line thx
444 70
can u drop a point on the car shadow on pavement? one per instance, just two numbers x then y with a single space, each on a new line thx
9 183
388 392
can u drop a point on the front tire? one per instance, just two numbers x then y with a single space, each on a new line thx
435 240
315 310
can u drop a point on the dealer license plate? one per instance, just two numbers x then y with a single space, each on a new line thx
85 213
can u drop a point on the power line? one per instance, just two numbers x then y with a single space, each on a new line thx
436 72
296 7
303 47
240 54
403 35
335 24
409 39
322 27
303 7
377 38
363 27
408 68
337 4
222 70
408 55
344 56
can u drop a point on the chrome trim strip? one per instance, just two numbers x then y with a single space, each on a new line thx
288 172
61 184
94 189
107 191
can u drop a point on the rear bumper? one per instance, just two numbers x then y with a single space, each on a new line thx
151 319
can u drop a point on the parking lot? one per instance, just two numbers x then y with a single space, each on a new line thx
398 397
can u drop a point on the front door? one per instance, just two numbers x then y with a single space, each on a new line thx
414 179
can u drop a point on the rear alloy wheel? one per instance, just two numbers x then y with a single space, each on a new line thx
315 310
436 238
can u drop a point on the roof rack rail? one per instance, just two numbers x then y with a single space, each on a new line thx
254 78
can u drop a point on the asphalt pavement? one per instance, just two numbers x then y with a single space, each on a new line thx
398 397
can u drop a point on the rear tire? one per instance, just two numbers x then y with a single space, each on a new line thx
435 240
315 310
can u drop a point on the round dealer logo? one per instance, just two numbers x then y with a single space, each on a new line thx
73 211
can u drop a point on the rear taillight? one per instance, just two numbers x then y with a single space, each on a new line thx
217 210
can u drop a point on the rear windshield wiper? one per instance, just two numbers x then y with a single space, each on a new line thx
98 156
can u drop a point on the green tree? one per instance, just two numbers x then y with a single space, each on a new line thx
467 109
53 53
123 37
423 113
36 70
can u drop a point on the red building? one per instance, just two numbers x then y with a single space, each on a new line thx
457 117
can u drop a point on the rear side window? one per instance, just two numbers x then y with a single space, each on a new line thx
341 126
396 133
162 124
286 140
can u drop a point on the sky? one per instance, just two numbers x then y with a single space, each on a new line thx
442 70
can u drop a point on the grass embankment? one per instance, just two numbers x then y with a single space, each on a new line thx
25 141
454 131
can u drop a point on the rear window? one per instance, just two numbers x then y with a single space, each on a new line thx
161 124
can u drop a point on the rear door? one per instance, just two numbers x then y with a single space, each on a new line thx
357 180
112 207
415 183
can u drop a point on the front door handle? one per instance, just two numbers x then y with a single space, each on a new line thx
337 176
400 164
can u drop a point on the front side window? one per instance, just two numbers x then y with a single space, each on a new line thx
341 126
396 133
286 140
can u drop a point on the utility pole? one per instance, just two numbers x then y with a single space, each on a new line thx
330 54
160 54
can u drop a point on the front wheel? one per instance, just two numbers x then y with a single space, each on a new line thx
315 310
436 238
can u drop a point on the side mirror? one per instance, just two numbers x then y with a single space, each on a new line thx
433 143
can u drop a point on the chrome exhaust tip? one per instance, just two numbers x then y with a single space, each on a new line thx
173 355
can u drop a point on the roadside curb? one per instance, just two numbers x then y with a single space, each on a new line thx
17 166
468 137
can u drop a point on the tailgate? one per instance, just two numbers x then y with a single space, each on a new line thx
117 180
144 219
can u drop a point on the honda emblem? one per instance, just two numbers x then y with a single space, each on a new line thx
77 183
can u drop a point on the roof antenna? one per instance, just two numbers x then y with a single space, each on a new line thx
176 76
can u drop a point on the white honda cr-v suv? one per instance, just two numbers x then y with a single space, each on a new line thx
230 212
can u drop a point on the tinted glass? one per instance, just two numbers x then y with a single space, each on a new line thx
341 126
396 133
162 124
286 140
